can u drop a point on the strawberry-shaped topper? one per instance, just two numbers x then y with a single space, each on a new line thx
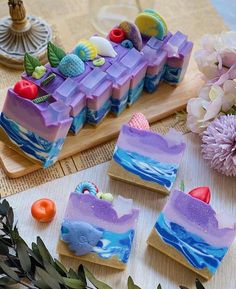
201 193
139 121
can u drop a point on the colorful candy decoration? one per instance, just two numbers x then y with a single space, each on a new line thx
55 54
30 63
117 35
132 33
105 196
26 89
104 47
99 61
86 50
39 72
71 65
41 98
87 188
139 121
48 79
43 210
151 23
127 43
201 193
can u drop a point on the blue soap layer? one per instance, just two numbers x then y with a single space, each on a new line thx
172 74
146 168
152 81
30 143
95 116
78 121
197 251
119 105
134 93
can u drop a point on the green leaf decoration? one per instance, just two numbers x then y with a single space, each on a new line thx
4 250
131 284
72 274
183 287
73 283
9 272
30 62
44 251
50 281
55 54
7 281
81 274
23 256
182 186
199 285
159 286
97 284
53 272
41 284
60 268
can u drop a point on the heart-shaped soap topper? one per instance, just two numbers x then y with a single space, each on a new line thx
201 193
139 121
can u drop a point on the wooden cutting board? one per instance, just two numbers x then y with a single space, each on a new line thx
164 102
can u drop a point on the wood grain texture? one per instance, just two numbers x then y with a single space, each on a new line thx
147 266
165 101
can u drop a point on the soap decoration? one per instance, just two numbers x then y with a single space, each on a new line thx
87 188
55 54
99 61
43 210
41 99
104 47
151 23
48 79
127 43
132 33
138 120
86 50
39 72
30 63
71 65
191 232
97 228
26 89
117 35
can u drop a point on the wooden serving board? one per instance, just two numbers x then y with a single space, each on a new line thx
164 102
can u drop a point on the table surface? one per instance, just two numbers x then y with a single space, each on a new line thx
147 266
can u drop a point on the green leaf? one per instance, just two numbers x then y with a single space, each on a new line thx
30 62
55 54
41 284
131 284
50 281
23 256
53 272
43 251
81 274
4 250
72 274
7 281
60 268
9 272
73 283
159 286
4 207
182 186
183 287
10 217
199 285
97 284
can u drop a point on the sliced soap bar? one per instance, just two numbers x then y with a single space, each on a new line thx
191 232
97 230
147 159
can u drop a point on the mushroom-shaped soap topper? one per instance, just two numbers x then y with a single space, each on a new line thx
201 193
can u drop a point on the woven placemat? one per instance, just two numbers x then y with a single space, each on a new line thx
71 21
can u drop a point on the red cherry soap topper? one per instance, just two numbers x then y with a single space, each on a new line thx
26 89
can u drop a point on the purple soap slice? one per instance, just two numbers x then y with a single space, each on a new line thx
193 233
107 229
146 158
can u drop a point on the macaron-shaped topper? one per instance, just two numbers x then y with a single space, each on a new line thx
151 23
139 121
26 89
201 193
132 33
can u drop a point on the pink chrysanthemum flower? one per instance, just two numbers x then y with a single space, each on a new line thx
219 145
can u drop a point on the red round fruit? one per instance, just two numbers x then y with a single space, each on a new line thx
26 89
43 210
117 35
201 193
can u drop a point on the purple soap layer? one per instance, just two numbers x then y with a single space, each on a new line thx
200 218
167 149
